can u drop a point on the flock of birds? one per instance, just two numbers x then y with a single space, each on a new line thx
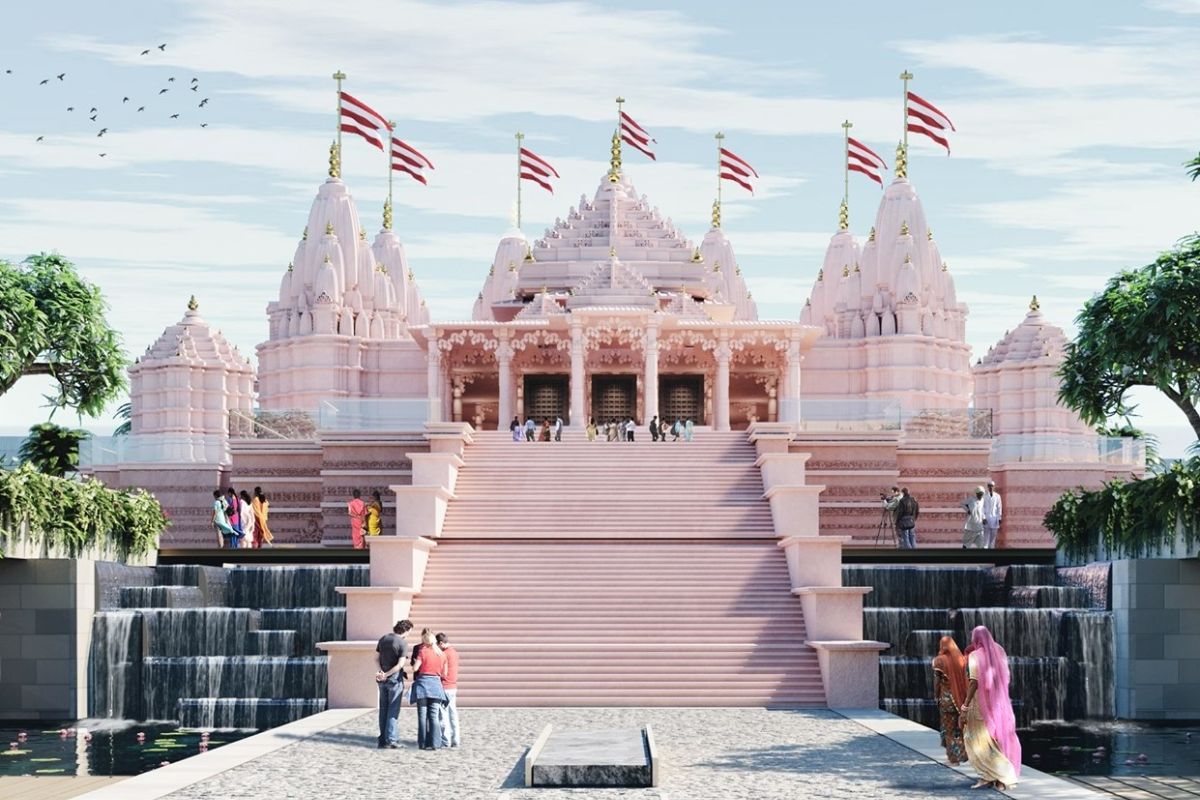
94 112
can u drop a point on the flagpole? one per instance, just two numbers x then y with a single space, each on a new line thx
520 136
844 211
902 163
338 76
716 218
614 164
387 223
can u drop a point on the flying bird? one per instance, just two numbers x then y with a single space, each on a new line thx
124 99
43 83
195 88
61 75
40 138
102 155
93 117
102 131
141 108
70 108
8 72
174 116
204 102
162 47
163 91
145 52
93 110
203 124
194 80
171 79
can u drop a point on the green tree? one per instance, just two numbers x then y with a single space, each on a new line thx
1142 330
52 449
52 322
124 412
1193 167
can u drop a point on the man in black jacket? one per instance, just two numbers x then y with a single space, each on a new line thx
906 519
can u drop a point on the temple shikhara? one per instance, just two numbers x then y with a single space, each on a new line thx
612 313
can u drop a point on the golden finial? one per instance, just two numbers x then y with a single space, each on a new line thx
716 214
871 237
290 266
193 305
614 164
820 275
901 161
843 217
929 234
856 269
491 270
696 257
327 258
512 266
845 270
335 161
529 259
716 266
612 251
945 267
808 301
304 236
1034 305
748 295
737 270
908 258
904 228
543 288
387 214
328 228
411 276
362 234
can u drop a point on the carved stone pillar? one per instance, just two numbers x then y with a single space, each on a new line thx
434 361
576 412
772 402
651 378
504 354
792 380
721 399
456 407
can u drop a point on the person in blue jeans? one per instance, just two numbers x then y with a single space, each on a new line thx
391 654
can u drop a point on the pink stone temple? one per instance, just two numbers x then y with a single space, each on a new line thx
613 313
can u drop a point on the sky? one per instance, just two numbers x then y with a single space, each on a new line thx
1073 118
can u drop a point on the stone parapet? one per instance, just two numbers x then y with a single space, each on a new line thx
814 560
399 560
795 509
371 609
833 612
849 671
421 510
352 668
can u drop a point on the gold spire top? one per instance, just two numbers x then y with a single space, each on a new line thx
327 258
901 161
614 163
871 237
716 266
716 214
512 266
696 257
328 228
529 259
904 228
387 214
612 251
820 275
843 217
856 269
929 234
945 267
908 258
845 270
411 276
1034 305
737 270
491 270
304 236
362 234
335 161
290 267
193 305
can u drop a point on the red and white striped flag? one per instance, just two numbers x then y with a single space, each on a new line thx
928 120
408 159
537 169
636 136
359 118
737 169
860 158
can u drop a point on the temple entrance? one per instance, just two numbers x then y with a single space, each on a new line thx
546 397
681 397
614 397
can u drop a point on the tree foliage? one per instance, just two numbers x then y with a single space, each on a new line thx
1193 167
52 322
124 412
76 515
1129 518
52 449
1142 330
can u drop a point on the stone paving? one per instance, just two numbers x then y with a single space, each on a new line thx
723 754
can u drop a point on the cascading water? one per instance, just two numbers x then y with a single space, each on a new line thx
177 650
1059 640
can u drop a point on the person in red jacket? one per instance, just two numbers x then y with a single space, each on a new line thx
450 736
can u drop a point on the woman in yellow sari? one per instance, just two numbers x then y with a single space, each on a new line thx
261 508
989 727
374 515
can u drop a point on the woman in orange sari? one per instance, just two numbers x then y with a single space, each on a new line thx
262 510
950 691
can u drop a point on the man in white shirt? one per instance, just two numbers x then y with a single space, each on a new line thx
973 525
993 509
558 426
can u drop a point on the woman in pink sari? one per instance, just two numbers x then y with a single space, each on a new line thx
358 513
989 727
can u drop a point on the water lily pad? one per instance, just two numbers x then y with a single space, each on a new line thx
44 760
155 750
15 752
49 771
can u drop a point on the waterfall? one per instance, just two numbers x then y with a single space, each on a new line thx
198 631
893 625
245 712
1049 597
161 597
311 625
167 680
1096 579
290 587
931 587
113 671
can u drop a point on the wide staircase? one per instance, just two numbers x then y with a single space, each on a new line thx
596 573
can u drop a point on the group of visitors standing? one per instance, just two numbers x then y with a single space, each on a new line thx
614 430
974 709
981 528
532 432
364 515
433 667
240 520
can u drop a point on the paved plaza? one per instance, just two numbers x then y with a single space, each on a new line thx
706 753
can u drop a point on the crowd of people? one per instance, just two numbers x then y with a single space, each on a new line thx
432 667
975 713
981 528
240 519
614 430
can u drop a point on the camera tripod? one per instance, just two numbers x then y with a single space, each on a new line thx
886 522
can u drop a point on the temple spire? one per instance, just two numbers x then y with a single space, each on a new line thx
844 209
716 210
519 137
335 164
902 148
614 164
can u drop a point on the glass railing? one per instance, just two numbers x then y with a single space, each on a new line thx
374 414
1117 451
948 423
288 423
154 448
848 414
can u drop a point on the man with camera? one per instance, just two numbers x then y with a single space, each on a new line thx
905 510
